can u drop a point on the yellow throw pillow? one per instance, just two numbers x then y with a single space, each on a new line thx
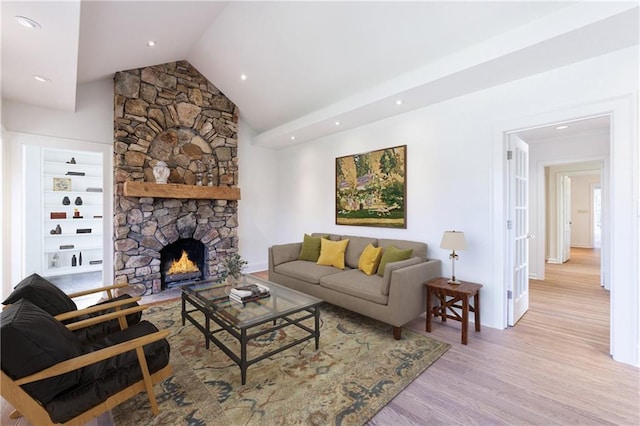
369 259
332 253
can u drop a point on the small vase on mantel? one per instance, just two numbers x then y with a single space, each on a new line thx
161 172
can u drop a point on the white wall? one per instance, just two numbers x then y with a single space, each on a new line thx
454 166
257 208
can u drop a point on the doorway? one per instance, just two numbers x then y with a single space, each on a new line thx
561 156
620 245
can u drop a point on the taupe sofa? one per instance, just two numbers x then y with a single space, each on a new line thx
395 298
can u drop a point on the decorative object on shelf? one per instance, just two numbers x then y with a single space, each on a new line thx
453 240
92 189
61 184
78 201
209 179
76 213
83 231
55 260
58 215
97 216
58 229
95 262
80 259
66 201
72 161
75 173
371 188
161 172
198 179
74 260
66 246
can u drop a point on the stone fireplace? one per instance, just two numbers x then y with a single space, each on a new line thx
171 113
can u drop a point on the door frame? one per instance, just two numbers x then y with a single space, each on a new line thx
622 266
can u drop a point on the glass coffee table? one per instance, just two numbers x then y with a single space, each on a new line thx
285 307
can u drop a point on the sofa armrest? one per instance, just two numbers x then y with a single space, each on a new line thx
407 290
283 253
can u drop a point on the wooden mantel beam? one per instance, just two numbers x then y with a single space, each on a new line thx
174 190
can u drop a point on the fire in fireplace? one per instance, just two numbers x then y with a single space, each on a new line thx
182 262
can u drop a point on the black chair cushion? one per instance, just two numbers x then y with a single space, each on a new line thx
103 379
42 293
100 330
32 340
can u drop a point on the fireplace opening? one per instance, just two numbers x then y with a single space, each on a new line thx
182 262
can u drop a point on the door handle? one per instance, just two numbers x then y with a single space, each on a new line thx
530 236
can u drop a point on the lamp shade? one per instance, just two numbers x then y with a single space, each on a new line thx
453 240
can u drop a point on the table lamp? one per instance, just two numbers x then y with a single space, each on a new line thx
453 240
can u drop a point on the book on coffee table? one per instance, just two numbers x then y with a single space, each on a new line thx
249 293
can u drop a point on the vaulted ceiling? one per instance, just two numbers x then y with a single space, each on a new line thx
308 65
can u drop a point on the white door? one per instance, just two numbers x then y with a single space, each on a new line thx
565 218
518 229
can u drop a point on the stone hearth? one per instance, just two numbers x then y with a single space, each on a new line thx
171 113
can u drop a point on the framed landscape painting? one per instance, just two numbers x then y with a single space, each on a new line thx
371 188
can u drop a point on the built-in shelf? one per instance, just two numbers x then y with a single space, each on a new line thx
174 190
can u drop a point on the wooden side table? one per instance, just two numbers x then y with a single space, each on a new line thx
457 293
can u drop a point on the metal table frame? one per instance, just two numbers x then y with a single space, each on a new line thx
243 336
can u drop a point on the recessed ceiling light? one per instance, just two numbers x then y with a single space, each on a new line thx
337 123
27 22
243 76
564 126
41 79
399 102
293 138
151 43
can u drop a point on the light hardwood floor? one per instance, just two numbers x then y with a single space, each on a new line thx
553 367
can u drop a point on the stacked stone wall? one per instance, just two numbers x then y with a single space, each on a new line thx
171 113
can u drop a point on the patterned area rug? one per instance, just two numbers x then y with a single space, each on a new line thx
358 369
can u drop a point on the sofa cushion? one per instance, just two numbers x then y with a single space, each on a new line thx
42 293
355 283
310 248
392 254
306 271
369 259
419 249
386 278
355 248
32 340
332 253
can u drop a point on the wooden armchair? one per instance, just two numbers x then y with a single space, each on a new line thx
50 377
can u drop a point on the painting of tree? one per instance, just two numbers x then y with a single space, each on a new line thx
371 188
